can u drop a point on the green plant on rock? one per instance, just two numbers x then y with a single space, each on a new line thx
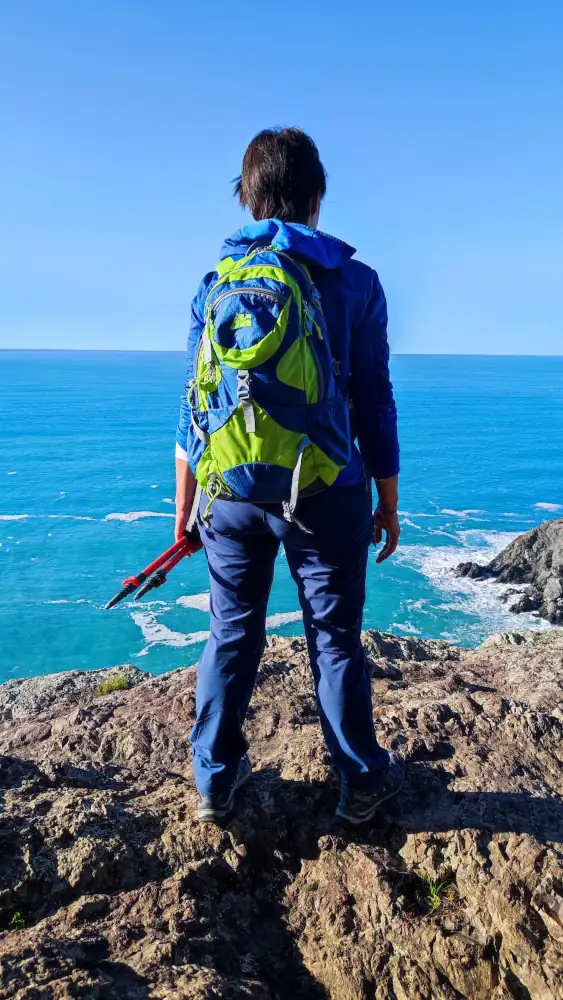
119 682
17 923
435 893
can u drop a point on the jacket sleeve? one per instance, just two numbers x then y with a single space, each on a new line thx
194 336
374 410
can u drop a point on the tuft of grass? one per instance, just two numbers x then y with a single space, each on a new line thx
117 683
435 893
17 923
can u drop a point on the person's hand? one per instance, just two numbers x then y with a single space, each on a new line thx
388 523
185 493
182 516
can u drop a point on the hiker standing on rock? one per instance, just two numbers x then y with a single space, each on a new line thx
287 368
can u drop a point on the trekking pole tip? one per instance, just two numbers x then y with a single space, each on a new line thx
124 592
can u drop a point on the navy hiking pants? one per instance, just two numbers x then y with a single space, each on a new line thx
329 568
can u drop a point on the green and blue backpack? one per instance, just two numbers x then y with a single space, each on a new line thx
269 422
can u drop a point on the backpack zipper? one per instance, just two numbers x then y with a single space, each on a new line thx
268 292
320 377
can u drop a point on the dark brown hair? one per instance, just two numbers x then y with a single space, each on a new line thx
281 174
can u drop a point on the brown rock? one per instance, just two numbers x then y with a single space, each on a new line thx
124 895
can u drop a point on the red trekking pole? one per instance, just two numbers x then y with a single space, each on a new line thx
154 575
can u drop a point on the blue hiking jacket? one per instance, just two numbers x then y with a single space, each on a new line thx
355 311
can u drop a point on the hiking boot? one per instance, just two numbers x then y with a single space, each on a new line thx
212 808
358 807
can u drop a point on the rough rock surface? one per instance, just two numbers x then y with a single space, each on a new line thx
535 560
110 889
21 699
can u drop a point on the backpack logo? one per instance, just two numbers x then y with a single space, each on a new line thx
241 320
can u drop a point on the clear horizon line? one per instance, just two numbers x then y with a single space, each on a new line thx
155 350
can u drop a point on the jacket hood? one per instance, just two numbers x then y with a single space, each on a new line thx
311 244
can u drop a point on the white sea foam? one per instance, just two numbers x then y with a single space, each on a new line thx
411 524
68 517
480 598
461 513
155 633
407 627
199 602
135 515
408 513
60 600
51 517
162 605
283 618
492 542
549 506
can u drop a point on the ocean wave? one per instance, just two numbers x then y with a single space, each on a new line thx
409 513
494 541
479 598
549 506
135 515
407 627
67 517
199 602
411 524
81 600
283 618
156 633
51 517
462 513
163 605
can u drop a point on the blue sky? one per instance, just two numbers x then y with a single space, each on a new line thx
123 123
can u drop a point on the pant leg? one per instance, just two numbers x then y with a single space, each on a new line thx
240 552
329 567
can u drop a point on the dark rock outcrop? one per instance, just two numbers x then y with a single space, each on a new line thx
110 889
534 560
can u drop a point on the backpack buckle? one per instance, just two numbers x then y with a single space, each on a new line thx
243 384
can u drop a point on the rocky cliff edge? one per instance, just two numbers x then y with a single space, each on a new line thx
110 889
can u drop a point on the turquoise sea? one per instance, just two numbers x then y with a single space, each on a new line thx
87 482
